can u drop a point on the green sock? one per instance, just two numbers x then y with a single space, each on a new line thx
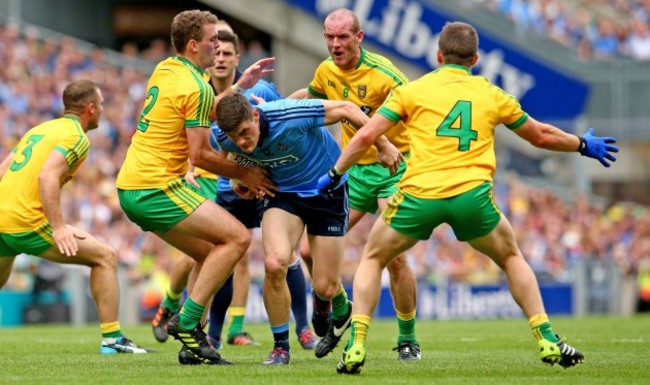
546 331
191 314
340 305
406 331
172 300
237 315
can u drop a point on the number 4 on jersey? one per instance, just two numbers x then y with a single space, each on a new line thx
462 112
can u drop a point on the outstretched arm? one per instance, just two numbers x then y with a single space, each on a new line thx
549 137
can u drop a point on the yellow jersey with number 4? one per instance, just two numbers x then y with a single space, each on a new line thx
450 116
178 97
367 85
21 205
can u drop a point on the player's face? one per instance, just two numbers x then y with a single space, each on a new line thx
96 111
227 61
343 43
207 47
247 134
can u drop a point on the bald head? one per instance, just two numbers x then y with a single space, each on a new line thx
344 15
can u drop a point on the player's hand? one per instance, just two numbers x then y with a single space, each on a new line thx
257 180
255 72
331 181
66 240
389 157
243 191
257 99
190 178
598 147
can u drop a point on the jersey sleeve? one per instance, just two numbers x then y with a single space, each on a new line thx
510 112
392 109
317 86
198 100
74 148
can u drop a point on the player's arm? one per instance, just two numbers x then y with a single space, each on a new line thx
549 137
336 110
302 93
204 156
4 166
362 141
355 150
54 170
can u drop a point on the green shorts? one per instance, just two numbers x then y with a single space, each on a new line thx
369 182
161 208
471 214
34 242
208 188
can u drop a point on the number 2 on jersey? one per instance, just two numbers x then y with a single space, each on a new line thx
462 112
152 96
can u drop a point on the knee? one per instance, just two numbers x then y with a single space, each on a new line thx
275 269
398 266
326 289
242 241
107 257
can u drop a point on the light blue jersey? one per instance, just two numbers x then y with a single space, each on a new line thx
263 89
294 146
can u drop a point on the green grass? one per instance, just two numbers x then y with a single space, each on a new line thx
617 351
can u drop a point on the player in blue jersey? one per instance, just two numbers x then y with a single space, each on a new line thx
233 295
288 138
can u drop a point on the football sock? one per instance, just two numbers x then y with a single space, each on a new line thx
297 289
110 329
172 300
406 325
541 327
191 314
281 336
236 315
219 307
359 330
340 304
321 305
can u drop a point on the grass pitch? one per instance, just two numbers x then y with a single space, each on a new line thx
617 351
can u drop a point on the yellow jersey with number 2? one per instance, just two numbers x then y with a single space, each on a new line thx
178 97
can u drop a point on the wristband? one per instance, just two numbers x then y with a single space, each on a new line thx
235 88
336 172
582 146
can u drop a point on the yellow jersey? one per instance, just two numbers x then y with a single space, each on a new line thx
21 205
178 97
450 116
367 85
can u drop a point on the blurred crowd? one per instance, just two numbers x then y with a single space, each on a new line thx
555 233
597 29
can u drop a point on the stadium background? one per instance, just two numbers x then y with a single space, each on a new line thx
584 229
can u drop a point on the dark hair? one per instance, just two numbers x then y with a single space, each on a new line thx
232 110
229 37
458 43
78 94
188 25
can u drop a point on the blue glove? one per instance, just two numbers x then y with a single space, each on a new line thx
597 147
331 181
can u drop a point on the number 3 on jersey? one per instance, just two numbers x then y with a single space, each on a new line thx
462 112
152 96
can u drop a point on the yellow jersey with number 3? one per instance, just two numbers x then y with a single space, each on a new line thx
21 205
367 85
450 116
178 97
